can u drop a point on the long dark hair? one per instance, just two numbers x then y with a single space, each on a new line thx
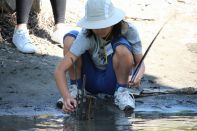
116 31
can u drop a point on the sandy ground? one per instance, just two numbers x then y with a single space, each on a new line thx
27 86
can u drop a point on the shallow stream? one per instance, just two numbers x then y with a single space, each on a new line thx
103 122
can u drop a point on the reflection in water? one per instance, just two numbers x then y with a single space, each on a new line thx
104 121
166 122
115 121
107 117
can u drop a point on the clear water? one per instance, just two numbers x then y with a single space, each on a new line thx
103 122
106 117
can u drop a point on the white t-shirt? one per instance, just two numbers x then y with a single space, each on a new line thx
95 45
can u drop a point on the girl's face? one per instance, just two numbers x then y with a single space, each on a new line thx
104 32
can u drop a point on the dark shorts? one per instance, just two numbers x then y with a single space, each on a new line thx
97 80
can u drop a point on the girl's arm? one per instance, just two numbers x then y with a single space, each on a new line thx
61 81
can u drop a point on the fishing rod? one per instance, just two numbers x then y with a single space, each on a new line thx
147 50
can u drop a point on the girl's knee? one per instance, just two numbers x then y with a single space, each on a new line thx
123 54
68 40
122 51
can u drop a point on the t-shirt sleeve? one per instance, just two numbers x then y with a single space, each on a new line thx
80 44
133 37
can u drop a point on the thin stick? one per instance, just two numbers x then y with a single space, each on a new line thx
141 61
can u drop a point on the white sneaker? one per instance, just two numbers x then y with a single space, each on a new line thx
124 99
59 33
22 41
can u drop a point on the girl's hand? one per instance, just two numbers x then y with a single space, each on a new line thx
136 82
69 104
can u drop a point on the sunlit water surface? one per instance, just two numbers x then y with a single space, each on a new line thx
103 122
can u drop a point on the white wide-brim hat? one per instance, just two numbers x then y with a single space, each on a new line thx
100 14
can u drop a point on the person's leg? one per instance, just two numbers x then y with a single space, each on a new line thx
91 73
21 37
97 80
123 60
105 81
59 9
123 63
23 8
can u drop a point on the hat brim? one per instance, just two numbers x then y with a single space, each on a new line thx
114 19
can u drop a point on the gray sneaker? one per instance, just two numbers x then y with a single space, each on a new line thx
124 99
22 41
73 92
